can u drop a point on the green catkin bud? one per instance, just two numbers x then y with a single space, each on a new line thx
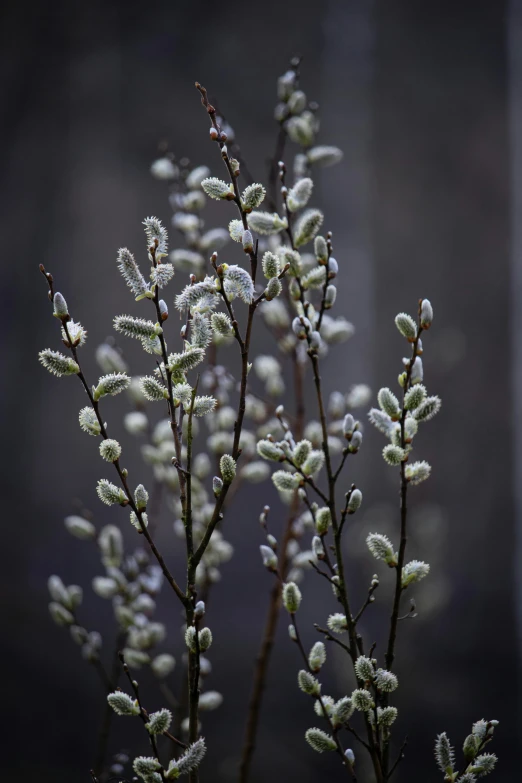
131 273
414 397
319 740
221 324
307 226
252 197
269 450
381 548
386 681
342 711
427 409
266 224
159 721
291 597
426 316
417 472
321 249
57 363
112 384
317 656
80 528
308 684
393 455
110 450
110 494
61 310
217 189
386 716
134 327
203 406
141 497
152 389
313 463
273 289
299 196
89 421
123 704
364 668
144 766
470 747
362 700
284 481
389 403
301 452
323 519
205 639
414 572
271 265
189 761
227 466
484 764
337 623
406 326
355 501
444 754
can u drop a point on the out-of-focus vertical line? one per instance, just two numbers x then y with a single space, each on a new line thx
346 113
514 48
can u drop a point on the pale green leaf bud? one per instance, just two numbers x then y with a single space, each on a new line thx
291 597
308 684
319 740
317 656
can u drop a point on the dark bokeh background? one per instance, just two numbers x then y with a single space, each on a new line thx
418 97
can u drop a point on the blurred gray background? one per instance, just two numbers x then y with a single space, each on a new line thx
424 100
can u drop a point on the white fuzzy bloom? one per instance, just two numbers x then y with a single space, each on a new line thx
164 169
110 450
337 623
123 704
364 668
362 700
269 557
252 196
190 760
159 721
131 273
308 683
381 548
427 409
109 493
317 656
414 572
393 455
217 189
319 740
291 597
416 472
406 326
238 282
136 422
89 421
112 384
57 363
80 528
444 754
426 316
210 700
386 681
299 196
156 235
163 665
266 223
152 389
